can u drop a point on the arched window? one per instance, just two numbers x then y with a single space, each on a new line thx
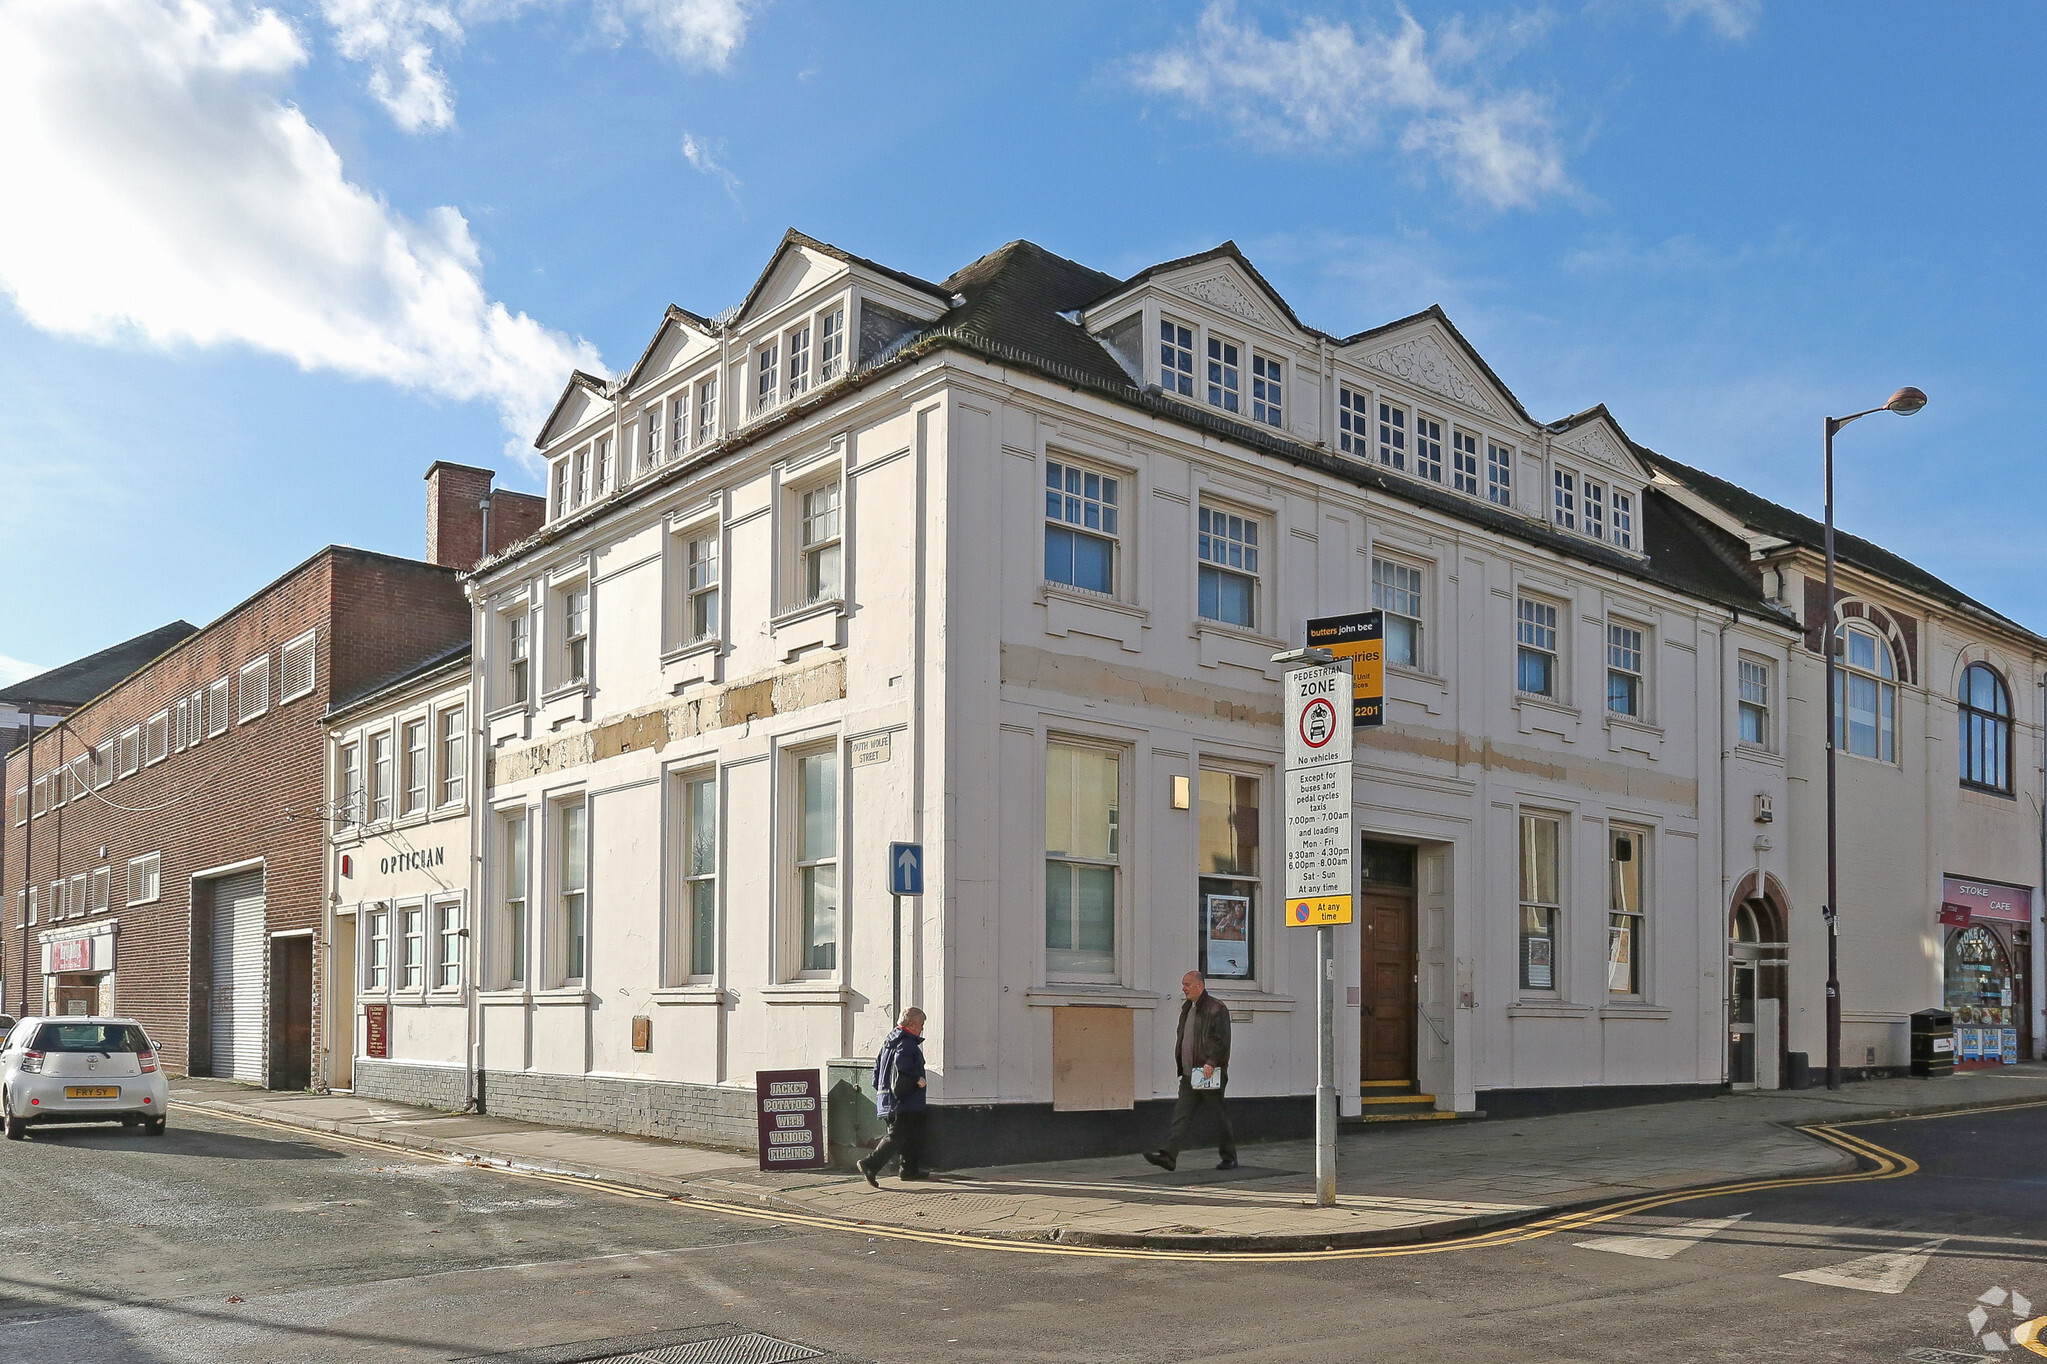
1986 730
1865 695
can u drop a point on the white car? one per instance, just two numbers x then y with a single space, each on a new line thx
79 1069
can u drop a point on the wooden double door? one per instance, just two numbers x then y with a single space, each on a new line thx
1387 995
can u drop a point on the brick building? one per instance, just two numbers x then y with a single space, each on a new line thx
173 836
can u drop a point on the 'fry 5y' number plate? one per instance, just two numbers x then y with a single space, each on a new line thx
92 1091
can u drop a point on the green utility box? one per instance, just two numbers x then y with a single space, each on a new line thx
852 1126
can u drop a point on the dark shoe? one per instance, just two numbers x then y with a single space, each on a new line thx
1228 1163
911 1176
867 1172
1165 1160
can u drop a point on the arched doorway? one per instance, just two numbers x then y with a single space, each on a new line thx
1757 984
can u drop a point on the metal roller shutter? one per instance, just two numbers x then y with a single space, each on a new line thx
237 1016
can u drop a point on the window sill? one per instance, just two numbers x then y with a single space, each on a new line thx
514 994
508 708
811 626
692 994
1077 611
1088 597
566 689
795 615
574 994
1238 633
1058 995
1254 999
1417 675
1757 752
1548 1008
807 992
1985 792
694 649
1541 702
1634 1009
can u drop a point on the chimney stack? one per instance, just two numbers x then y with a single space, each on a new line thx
455 519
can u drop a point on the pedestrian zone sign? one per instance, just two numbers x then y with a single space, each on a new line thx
1317 808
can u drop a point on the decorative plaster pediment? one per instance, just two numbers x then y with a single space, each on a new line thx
1220 291
1593 443
1425 363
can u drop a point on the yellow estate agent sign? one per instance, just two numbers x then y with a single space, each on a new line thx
1359 637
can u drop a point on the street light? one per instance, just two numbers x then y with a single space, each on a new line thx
1904 402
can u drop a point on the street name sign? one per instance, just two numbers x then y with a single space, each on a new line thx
906 868
1317 808
1359 637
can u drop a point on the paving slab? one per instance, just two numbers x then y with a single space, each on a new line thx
1398 1182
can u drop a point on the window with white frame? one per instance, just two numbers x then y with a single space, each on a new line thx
156 736
579 478
1595 509
415 767
1176 358
575 634
380 777
255 688
1499 474
831 345
1626 915
1535 637
296 668
678 424
81 776
348 787
693 926
1623 519
1224 388
145 878
448 944
77 899
797 364
454 754
1227 873
1228 551
1623 669
1083 800
1081 531
767 376
376 960
653 435
1541 902
33 900
1267 391
1397 593
1428 449
1865 695
1464 461
131 752
561 486
518 654
1392 436
817 860
56 899
1353 422
514 872
181 726
573 901
707 410
216 708
412 949
105 759
1753 704
601 472
700 556
101 895
820 544
42 796
1566 510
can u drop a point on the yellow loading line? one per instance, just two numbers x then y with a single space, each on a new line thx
1888 1165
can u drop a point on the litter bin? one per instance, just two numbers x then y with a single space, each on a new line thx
1933 1043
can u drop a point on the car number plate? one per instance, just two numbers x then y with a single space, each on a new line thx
92 1091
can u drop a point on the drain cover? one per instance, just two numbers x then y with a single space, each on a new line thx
751 1348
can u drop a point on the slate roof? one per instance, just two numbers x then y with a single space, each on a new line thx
452 659
75 683
1761 514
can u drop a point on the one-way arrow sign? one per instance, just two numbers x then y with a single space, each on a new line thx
906 868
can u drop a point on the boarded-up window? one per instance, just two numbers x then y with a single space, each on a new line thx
216 708
298 668
255 696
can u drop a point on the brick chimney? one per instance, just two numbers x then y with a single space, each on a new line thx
455 516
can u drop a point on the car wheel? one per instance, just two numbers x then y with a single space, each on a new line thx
156 1126
17 1128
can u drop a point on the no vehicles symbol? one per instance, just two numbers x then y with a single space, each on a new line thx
1318 722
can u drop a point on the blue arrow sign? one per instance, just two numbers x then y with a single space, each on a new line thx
906 868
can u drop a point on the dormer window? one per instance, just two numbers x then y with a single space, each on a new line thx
766 376
707 410
600 465
1353 422
1223 386
1566 512
1267 391
1595 510
1392 436
1623 519
799 361
651 447
1428 449
1176 358
1464 461
1499 474
831 345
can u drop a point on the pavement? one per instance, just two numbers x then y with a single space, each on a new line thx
1399 1183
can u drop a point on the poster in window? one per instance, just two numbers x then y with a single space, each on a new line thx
1541 974
1226 928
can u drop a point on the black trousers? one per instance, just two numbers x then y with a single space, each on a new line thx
905 1140
1194 1102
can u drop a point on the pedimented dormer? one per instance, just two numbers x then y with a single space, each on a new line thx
1596 481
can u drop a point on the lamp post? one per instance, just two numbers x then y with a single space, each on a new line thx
1904 402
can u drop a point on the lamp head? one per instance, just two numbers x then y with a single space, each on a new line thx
1906 401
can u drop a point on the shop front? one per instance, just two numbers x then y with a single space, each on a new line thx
78 970
1986 957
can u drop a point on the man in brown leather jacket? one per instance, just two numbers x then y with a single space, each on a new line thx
1201 1046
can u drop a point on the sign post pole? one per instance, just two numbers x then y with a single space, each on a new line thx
905 877
895 1007
1319 870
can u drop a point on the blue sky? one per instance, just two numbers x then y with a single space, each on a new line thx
265 265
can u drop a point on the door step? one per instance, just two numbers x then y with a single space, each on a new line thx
1430 1115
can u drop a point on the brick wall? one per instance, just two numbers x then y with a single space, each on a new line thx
408 1082
454 520
710 1115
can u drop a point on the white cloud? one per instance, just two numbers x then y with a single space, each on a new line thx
160 190
1734 19
1328 84
13 670
699 156
402 41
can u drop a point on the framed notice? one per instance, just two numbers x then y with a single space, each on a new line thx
376 1030
789 1105
1226 936
1540 968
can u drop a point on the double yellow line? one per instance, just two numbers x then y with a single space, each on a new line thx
1884 1164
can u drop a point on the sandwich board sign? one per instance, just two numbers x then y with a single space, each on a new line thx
1317 807
789 1107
